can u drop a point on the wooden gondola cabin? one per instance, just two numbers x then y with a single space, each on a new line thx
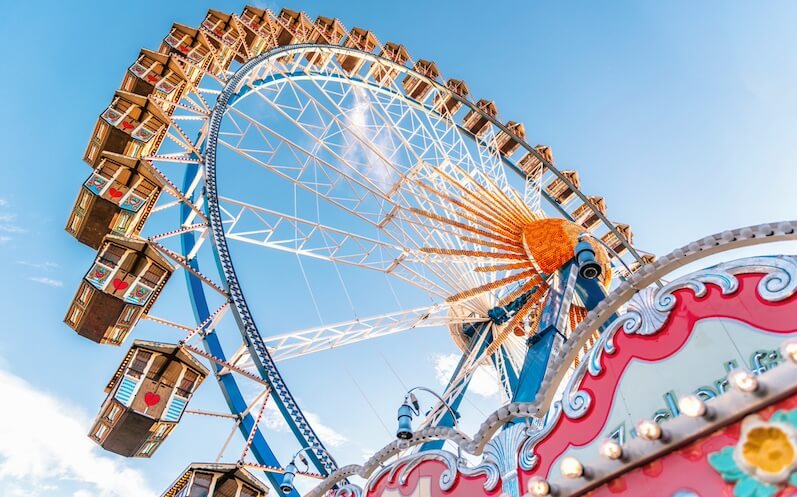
185 42
418 88
259 30
223 36
124 282
447 104
327 31
156 74
216 480
294 27
559 191
360 39
586 217
384 74
115 199
615 243
505 143
146 398
477 123
132 125
532 166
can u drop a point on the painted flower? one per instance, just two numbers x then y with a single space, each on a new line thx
765 458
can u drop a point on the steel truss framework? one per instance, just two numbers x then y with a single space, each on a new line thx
397 166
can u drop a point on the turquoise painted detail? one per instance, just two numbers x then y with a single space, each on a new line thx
175 409
746 484
125 392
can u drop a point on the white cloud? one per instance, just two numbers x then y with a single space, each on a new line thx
43 445
46 265
8 223
484 381
273 420
46 281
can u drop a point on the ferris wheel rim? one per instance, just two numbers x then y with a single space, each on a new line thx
242 312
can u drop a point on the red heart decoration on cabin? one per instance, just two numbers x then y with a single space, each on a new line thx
127 125
114 193
185 49
150 77
151 398
119 284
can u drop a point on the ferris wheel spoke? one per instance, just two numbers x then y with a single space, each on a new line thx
357 191
279 231
320 338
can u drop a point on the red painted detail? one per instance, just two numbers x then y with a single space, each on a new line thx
114 193
152 78
120 284
688 468
427 475
745 305
151 398
127 125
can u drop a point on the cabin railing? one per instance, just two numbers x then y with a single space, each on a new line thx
160 82
100 275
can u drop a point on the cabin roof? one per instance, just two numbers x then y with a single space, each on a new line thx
140 166
163 348
239 473
140 246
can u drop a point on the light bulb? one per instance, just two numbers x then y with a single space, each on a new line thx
538 487
571 468
648 430
611 449
692 406
789 350
743 380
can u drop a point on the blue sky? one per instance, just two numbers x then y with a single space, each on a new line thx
682 115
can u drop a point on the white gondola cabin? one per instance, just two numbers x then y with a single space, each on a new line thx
559 191
615 243
216 480
505 143
124 282
116 198
475 122
146 398
361 39
155 74
382 73
419 88
448 105
132 125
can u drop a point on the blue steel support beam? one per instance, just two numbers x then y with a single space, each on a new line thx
551 329
447 419
229 386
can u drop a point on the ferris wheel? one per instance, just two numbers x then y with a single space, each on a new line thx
264 137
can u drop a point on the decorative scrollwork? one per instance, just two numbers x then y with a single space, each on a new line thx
528 458
348 490
648 309
400 470
503 452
